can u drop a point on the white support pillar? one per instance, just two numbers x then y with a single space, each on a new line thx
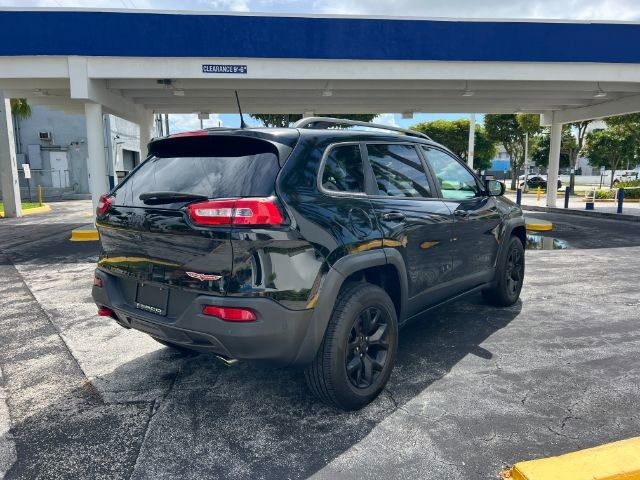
554 162
146 125
8 166
472 140
96 161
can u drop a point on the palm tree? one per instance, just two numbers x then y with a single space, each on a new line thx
20 108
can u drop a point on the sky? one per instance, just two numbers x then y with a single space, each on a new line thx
610 10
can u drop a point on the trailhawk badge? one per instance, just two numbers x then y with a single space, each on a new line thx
203 277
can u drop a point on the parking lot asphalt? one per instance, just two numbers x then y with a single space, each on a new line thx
475 388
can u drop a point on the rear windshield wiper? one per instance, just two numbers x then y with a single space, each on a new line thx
158 198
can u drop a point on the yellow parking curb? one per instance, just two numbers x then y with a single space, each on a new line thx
32 211
84 234
613 461
537 225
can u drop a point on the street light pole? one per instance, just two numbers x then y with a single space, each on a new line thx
526 161
472 140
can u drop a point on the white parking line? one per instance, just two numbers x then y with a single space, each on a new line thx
7 445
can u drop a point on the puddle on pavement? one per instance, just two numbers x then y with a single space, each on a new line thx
540 242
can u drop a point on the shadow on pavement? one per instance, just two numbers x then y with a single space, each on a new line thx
250 421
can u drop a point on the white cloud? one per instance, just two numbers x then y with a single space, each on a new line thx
386 119
532 9
213 5
524 9
189 121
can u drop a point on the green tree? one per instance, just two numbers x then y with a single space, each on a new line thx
610 147
580 129
283 120
540 155
20 108
455 136
631 124
511 131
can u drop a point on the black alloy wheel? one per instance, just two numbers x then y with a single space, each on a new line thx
367 347
514 271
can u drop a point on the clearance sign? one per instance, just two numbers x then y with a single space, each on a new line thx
238 69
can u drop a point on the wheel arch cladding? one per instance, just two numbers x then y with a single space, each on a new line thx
374 264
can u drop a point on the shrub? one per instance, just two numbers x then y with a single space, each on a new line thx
632 190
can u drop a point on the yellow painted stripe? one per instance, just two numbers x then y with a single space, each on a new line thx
539 227
31 211
613 461
89 235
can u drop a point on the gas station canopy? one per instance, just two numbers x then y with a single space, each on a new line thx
133 62
137 63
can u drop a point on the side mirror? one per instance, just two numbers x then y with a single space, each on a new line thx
495 188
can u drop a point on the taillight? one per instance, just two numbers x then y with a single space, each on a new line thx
97 282
243 211
230 314
105 312
104 204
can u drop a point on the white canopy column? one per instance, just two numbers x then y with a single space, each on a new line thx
8 166
554 162
146 125
472 140
96 161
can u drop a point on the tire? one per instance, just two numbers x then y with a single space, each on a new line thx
510 276
362 311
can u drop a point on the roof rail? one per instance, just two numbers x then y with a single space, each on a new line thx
326 122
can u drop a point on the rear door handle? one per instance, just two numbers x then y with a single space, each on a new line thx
393 217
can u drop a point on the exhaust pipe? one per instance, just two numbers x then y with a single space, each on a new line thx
229 362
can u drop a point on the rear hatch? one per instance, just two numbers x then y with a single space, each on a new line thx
153 237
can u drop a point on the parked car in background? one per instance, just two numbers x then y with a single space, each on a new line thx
625 177
536 181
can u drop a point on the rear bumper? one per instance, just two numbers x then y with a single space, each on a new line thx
276 336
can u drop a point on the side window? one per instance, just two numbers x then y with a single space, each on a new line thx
398 171
343 171
456 182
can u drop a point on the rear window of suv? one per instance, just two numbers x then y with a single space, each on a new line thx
212 176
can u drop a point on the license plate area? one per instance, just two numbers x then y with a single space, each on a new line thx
152 299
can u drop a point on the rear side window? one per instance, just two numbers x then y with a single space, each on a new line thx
343 171
211 176
398 170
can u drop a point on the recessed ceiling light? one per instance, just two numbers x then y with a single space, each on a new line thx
467 92
599 93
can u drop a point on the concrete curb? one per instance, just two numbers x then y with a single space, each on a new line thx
569 211
85 234
613 461
33 211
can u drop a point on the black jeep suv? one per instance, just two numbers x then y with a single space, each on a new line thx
302 246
